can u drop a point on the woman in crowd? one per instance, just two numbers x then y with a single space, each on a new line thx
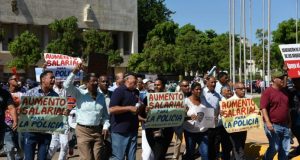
159 139
194 133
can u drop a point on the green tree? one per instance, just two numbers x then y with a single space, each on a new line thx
97 41
166 31
150 13
68 40
157 57
188 48
284 34
25 50
137 63
101 42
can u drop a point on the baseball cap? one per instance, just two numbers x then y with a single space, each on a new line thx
151 86
145 80
277 74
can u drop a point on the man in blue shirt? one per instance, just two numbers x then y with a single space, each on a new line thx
91 115
124 119
33 139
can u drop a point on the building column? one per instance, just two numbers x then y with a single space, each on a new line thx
121 43
15 30
45 36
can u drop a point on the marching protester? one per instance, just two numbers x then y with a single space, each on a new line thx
295 115
238 139
159 139
37 139
194 134
147 153
210 98
124 119
274 106
91 115
13 139
226 92
8 122
119 80
60 140
222 81
141 88
185 89
103 88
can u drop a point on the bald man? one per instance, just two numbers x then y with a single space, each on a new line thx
119 80
238 139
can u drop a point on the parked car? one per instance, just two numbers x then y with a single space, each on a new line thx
255 88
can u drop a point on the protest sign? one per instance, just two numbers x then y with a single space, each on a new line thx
61 73
42 114
291 57
240 115
60 60
166 109
206 118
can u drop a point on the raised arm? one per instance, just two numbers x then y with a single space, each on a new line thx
68 84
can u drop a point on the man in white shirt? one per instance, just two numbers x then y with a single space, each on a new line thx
210 98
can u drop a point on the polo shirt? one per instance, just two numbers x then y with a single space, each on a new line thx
125 122
276 102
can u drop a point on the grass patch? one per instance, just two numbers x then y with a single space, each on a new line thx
257 101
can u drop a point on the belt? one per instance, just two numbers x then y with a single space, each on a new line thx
92 127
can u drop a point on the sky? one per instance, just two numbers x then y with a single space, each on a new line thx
214 14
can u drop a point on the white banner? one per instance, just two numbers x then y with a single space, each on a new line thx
59 60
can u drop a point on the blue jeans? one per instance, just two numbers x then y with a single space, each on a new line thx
201 139
42 140
9 145
279 141
124 144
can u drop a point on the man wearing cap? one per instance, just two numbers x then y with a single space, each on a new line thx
274 105
123 110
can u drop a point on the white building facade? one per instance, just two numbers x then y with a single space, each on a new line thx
117 16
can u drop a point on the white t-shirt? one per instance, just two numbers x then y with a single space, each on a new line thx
189 125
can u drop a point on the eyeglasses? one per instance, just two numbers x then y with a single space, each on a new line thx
104 81
241 88
184 85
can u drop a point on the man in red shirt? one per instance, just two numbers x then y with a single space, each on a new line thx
274 105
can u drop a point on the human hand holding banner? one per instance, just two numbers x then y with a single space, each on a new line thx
240 115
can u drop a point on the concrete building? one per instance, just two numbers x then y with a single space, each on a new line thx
117 16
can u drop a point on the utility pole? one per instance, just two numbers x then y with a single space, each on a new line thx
229 35
240 56
250 42
233 42
269 40
244 26
263 43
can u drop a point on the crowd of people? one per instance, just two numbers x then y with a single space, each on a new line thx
112 114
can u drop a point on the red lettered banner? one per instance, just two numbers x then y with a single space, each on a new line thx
291 57
60 60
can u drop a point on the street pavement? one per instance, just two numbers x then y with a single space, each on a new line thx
256 145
